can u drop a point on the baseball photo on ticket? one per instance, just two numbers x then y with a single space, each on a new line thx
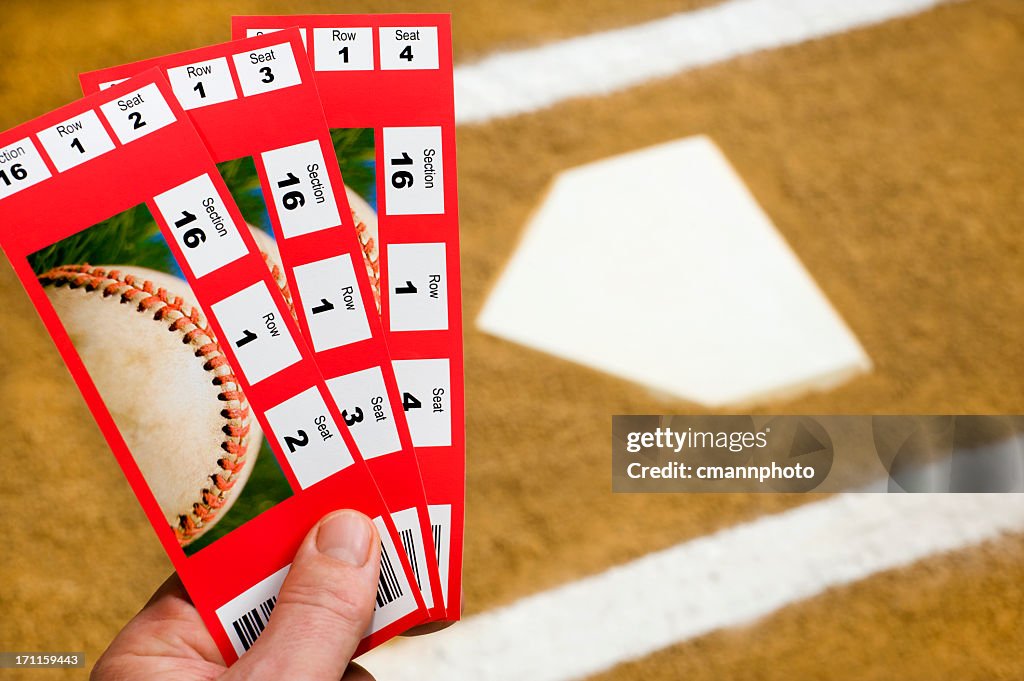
137 250
287 182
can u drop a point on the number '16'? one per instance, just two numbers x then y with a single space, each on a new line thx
192 237
293 199
18 172
400 179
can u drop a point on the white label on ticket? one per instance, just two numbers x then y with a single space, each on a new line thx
343 49
426 387
245 616
267 69
363 399
203 83
441 527
21 166
413 171
417 287
254 328
302 191
406 48
334 309
407 522
138 113
394 597
253 32
76 140
201 224
111 83
309 438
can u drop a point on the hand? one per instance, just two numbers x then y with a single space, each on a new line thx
321 613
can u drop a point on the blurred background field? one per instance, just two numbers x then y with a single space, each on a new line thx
890 158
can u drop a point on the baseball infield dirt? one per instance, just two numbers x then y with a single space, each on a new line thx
890 158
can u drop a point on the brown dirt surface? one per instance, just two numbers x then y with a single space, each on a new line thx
889 165
890 158
952 616
63 38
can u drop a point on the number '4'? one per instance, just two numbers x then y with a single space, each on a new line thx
406 54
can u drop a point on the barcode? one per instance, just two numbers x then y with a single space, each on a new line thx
437 542
388 588
250 625
410 550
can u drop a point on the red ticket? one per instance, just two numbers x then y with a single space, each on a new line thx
390 77
255 104
123 175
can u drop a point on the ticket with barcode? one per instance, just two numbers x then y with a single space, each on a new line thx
386 83
255 104
141 266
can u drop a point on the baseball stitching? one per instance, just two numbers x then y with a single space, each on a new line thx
370 257
282 282
183 319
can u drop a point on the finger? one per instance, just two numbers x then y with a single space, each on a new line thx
166 624
172 587
168 630
356 673
324 606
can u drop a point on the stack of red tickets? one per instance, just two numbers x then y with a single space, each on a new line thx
300 181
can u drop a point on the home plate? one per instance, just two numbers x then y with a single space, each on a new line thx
660 267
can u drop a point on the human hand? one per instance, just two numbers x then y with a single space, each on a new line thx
323 609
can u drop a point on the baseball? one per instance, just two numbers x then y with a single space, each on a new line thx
167 385
272 257
365 219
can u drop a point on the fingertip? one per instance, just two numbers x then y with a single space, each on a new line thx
348 536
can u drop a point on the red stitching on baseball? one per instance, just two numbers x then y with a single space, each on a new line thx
282 282
188 321
369 256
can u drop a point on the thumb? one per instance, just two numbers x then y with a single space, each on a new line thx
324 606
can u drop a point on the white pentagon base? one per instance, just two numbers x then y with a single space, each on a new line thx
660 267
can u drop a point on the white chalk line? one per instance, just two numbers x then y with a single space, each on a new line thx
511 83
737 575
725 579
